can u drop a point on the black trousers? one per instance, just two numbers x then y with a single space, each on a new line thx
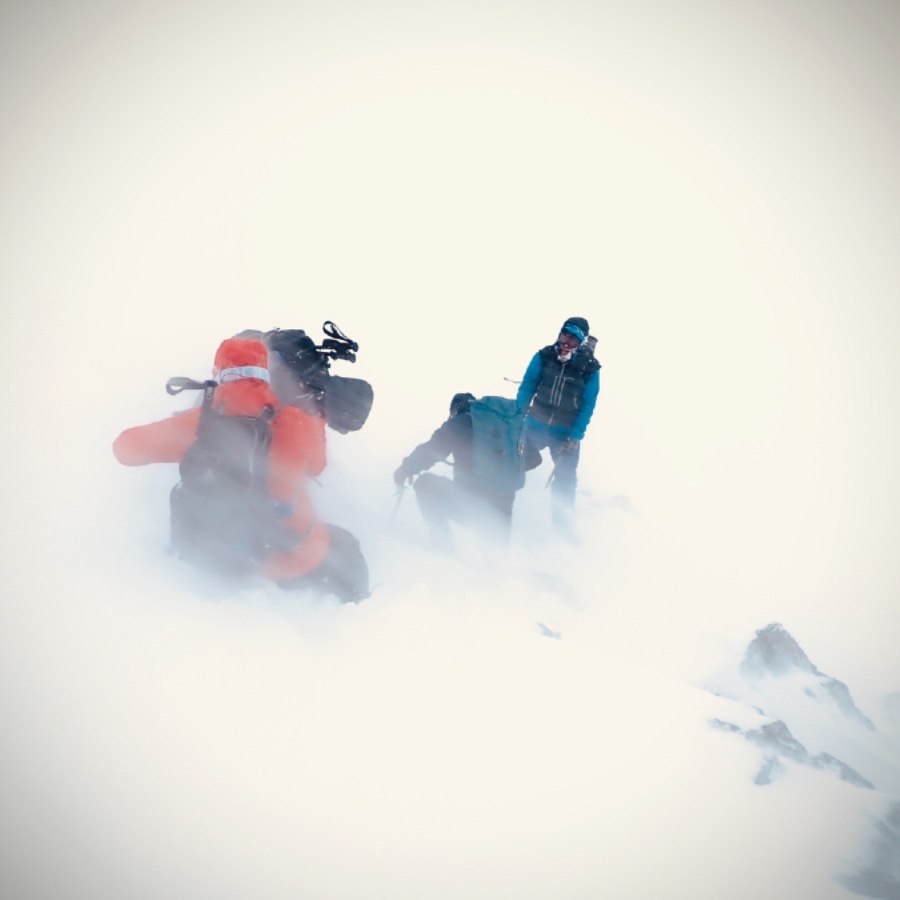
443 501
343 572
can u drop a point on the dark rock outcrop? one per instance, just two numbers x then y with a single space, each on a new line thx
879 877
774 652
776 740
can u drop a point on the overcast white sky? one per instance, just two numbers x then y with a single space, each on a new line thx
714 186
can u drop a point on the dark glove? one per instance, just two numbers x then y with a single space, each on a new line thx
401 476
568 446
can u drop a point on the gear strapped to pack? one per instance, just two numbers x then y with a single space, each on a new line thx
344 403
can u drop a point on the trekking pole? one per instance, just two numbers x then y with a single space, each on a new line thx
556 464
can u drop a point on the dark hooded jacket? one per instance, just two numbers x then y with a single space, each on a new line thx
456 438
453 438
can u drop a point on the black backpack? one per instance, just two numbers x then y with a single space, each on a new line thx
222 515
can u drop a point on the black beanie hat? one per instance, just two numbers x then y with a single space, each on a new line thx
574 324
459 403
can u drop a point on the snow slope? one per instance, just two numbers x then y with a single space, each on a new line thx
715 190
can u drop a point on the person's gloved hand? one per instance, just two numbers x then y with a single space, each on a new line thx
569 446
401 476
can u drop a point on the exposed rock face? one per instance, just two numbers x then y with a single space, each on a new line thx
879 877
776 683
776 739
774 652
778 680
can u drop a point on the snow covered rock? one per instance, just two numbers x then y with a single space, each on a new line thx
774 652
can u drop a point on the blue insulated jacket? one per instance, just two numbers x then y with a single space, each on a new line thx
560 396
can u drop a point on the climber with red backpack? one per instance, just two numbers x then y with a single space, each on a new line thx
241 506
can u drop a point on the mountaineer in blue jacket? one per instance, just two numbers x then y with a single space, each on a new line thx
559 391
